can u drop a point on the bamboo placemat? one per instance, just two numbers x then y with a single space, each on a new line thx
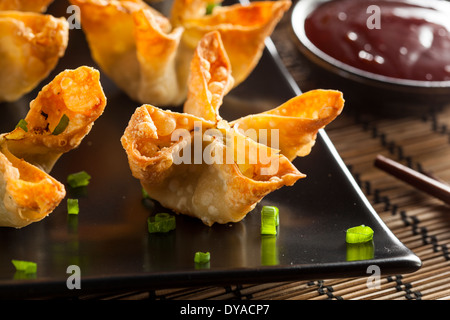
422 223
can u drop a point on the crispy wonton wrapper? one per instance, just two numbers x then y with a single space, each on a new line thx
25 5
297 121
149 57
210 78
198 164
30 47
27 192
243 28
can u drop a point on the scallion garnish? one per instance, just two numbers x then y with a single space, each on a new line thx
210 7
79 179
162 216
359 234
202 257
145 194
161 223
27 267
269 220
269 251
72 206
62 125
360 251
22 124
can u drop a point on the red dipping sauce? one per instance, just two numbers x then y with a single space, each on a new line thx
399 39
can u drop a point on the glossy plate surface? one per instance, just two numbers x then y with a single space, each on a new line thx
109 241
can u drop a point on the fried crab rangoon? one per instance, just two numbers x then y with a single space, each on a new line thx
243 28
198 164
150 55
30 47
28 153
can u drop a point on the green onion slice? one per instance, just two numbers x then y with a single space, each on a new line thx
72 206
269 251
269 220
202 257
62 125
79 179
22 124
210 7
360 251
145 194
25 266
359 234
161 223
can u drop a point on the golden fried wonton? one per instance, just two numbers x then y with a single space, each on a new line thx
59 118
25 5
30 47
207 173
243 28
198 164
149 57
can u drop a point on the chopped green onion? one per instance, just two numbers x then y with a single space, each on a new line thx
272 210
25 266
202 257
359 234
269 220
145 194
62 125
269 251
210 7
79 179
22 125
161 223
72 206
360 251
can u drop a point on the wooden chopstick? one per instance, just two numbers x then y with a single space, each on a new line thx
416 179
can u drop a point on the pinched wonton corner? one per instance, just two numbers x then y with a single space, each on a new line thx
150 57
59 118
30 47
243 28
25 5
198 164
297 121
210 78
